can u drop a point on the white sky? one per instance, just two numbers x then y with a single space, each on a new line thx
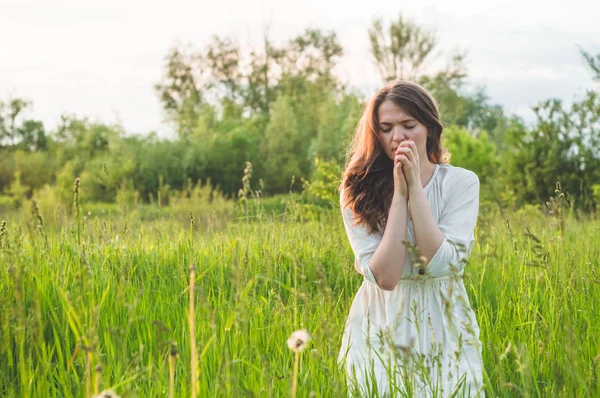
101 58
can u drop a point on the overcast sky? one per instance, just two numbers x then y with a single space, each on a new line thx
101 58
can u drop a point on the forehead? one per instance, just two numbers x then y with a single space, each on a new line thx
389 112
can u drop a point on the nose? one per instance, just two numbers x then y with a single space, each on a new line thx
398 134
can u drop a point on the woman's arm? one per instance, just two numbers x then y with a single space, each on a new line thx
381 258
450 242
428 236
387 263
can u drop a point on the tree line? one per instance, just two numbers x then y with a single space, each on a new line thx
281 107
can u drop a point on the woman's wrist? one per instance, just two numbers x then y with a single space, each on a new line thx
415 186
399 199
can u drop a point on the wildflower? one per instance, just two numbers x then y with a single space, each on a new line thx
298 340
297 343
107 394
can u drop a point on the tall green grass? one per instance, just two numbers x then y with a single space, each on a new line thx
103 301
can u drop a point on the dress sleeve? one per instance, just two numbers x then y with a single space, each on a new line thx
457 224
362 242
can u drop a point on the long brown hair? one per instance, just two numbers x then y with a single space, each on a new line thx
368 181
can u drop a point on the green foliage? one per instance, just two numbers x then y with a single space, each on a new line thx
127 196
107 285
105 175
205 203
404 49
563 147
596 194
180 90
473 152
120 298
63 188
53 207
280 107
8 204
16 190
16 132
336 126
35 168
324 183
593 63
401 49
228 152
281 143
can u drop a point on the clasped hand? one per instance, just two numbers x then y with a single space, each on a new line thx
407 154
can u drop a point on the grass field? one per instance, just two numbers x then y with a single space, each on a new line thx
102 301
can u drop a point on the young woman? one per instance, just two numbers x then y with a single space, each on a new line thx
410 219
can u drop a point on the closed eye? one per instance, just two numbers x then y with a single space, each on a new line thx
407 127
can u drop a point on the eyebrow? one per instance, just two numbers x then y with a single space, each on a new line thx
402 121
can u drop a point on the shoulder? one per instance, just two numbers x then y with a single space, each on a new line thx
342 202
347 213
457 176
457 182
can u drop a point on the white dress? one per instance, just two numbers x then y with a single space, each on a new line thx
420 339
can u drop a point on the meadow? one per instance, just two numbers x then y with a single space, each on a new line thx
99 298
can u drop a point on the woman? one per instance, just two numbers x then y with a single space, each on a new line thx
410 219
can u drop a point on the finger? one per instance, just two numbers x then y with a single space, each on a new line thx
405 161
399 158
406 154
403 144
399 172
398 169
409 153
403 150
413 147
401 153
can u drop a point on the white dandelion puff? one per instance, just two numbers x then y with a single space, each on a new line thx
107 394
298 340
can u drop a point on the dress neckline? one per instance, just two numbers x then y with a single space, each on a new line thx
430 182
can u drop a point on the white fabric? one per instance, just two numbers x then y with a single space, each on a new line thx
426 319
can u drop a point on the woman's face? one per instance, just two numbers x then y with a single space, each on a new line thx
395 126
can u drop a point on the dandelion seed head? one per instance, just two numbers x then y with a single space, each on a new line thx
298 340
107 394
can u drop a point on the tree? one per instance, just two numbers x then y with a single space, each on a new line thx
337 122
27 134
404 50
593 63
564 146
261 81
181 90
8 115
401 51
312 56
473 152
32 136
222 61
280 147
